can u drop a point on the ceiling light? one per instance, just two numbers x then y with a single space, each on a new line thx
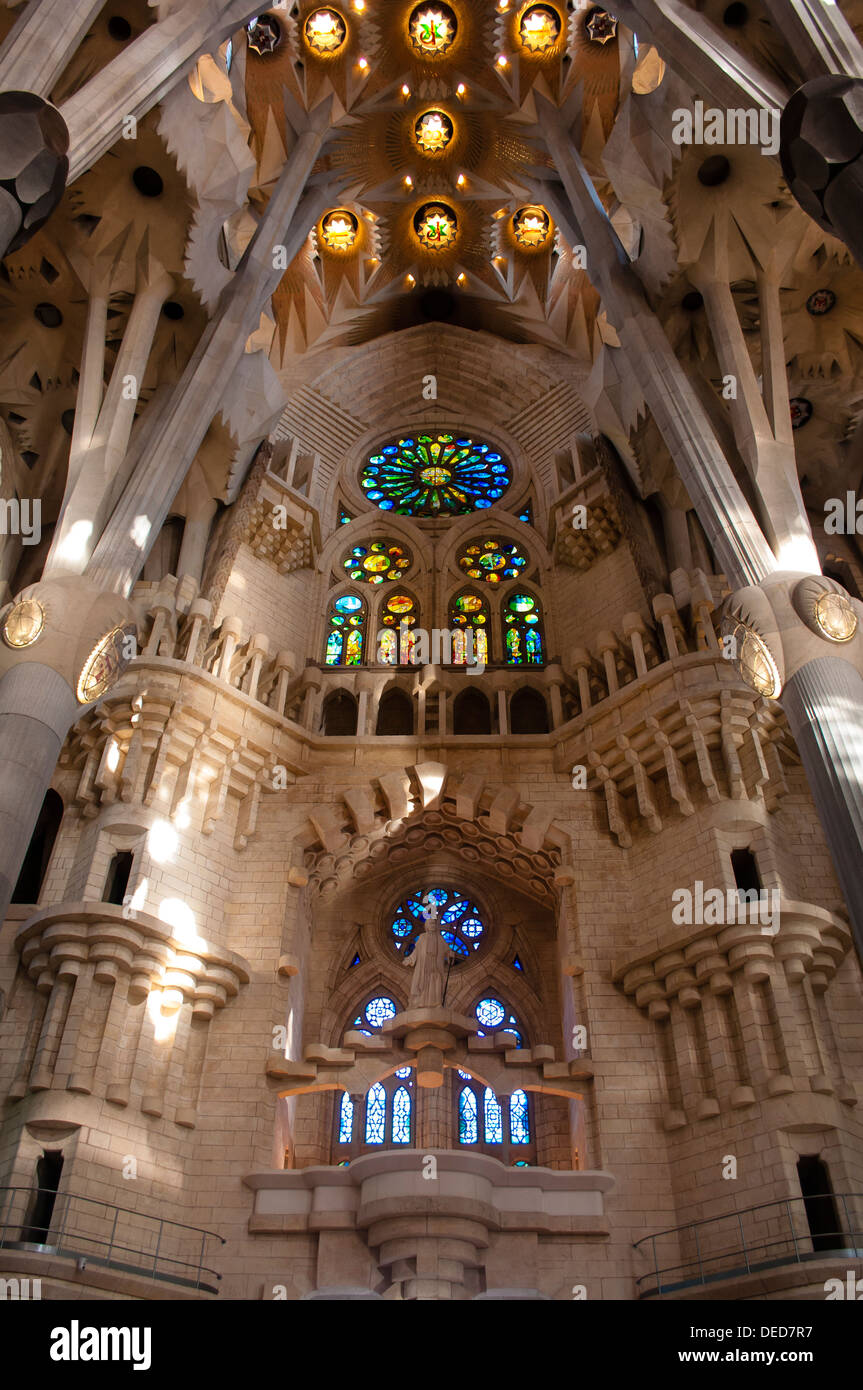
460 180
362 63
501 60
460 89
406 91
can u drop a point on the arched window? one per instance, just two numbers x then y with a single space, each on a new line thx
339 716
468 612
492 560
377 562
500 1125
522 631
461 922
395 714
396 639
528 712
35 864
471 713
435 475
346 623
384 1117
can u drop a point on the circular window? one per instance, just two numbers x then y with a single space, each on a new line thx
495 1017
433 131
492 560
435 475
461 924
373 1014
377 562
432 29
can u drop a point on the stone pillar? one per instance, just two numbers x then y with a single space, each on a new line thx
823 702
41 42
196 534
37 705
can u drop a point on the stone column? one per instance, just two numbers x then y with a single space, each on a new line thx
37 705
823 701
41 42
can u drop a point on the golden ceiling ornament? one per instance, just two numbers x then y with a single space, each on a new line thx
539 28
325 32
24 623
106 663
339 230
433 131
432 29
755 663
436 226
825 608
532 227
835 617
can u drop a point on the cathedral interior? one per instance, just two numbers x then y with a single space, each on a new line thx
431 675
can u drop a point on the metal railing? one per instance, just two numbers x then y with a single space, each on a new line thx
790 1230
86 1228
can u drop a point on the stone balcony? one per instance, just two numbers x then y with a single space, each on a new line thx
430 1225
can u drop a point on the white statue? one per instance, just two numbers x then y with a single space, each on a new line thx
428 961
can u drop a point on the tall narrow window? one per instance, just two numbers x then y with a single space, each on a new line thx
339 715
467 1125
493 1118
396 639
376 1115
522 631
118 876
346 1120
819 1203
746 874
42 1201
346 621
469 614
35 864
401 1127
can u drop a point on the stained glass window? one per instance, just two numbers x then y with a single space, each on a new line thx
519 1127
377 562
527 514
346 1120
461 924
522 631
468 612
495 1017
378 1010
396 639
401 1127
346 621
492 1118
344 517
492 560
435 475
376 1114
467 1126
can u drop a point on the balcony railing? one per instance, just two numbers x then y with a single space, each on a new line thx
85 1228
792 1230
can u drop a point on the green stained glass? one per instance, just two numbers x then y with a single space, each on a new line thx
435 475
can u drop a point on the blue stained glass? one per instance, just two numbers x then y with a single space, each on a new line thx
334 648
355 961
435 476
492 1118
402 1116
460 920
519 1126
379 1010
467 1126
344 517
348 604
403 1072
346 1120
490 1012
376 1114
517 965
533 644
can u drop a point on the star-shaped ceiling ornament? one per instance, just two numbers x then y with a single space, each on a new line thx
263 34
601 26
